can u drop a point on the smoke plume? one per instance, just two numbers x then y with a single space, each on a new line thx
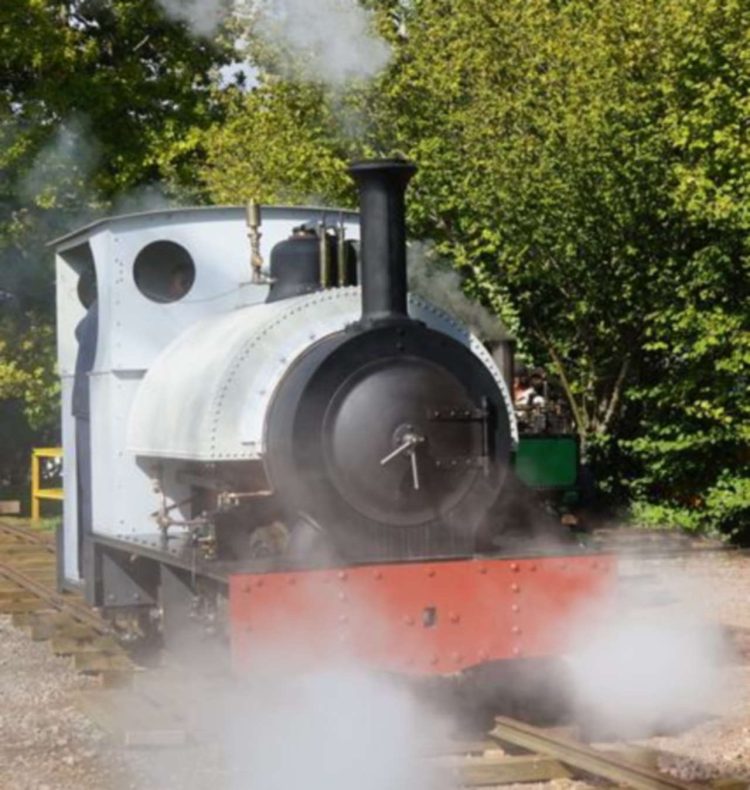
436 281
331 40
61 171
202 17
657 666
344 726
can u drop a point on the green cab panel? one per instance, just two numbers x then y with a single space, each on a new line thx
547 461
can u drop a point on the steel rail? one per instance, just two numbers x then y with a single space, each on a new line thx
27 535
56 600
583 758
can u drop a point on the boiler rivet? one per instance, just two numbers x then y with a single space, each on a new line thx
515 588
516 651
516 629
514 566
377 575
247 587
515 608
343 575
454 618
431 572
483 570
409 620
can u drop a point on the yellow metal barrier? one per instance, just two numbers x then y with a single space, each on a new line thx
37 493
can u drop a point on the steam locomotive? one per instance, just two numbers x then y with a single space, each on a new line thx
302 454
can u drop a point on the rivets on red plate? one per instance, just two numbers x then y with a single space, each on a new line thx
456 658
291 581
483 655
378 575
342 596
431 572
514 567
483 569
516 629
532 567
516 651
247 587
259 583
454 617
515 608
343 618
408 620
515 588
434 660
343 575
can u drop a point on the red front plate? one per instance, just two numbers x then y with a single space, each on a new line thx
417 618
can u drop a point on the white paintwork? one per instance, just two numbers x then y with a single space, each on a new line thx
133 332
206 397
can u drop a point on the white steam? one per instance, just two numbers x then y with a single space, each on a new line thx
333 729
62 169
202 17
653 668
433 279
332 40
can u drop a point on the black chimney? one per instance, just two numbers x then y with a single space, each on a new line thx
382 183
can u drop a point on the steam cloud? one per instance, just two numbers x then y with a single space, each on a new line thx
654 668
334 729
331 41
63 167
332 38
203 17
438 283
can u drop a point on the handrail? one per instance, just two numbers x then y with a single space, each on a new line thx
37 492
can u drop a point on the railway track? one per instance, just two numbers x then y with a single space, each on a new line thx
28 592
144 713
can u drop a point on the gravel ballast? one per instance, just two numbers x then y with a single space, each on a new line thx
47 743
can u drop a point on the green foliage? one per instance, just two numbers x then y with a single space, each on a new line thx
279 144
27 369
725 510
660 516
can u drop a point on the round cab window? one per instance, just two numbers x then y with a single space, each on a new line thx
164 271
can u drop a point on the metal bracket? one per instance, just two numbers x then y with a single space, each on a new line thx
462 414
